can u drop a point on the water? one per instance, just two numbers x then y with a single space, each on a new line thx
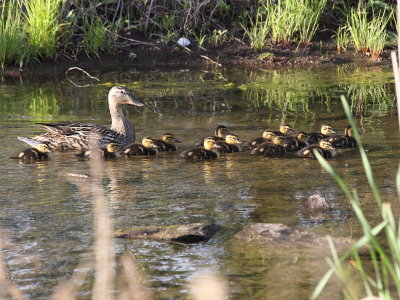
47 217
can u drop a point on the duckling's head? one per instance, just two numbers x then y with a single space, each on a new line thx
120 95
210 143
169 138
302 137
232 138
44 148
148 142
286 129
279 140
326 145
348 131
221 131
113 147
268 134
327 129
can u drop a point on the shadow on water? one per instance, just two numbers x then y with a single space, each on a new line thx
49 218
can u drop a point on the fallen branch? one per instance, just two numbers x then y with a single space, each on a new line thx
84 72
212 61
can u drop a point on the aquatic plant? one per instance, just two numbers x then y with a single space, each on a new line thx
311 11
384 282
95 37
11 37
342 39
41 25
257 31
368 34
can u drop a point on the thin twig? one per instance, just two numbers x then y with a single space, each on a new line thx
84 72
210 60
139 42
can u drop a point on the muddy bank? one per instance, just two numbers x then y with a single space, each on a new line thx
234 54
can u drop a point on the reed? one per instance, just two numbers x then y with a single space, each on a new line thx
11 37
311 11
41 25
257 31
368 33
95 39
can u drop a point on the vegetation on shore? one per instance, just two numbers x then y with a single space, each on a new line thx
37 30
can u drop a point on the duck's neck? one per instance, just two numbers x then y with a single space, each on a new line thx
120 123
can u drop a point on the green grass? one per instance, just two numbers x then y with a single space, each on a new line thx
384 252
368 30
41 25
95 39
311 11
11 37
257 31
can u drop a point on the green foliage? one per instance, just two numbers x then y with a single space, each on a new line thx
311 11
368 32
11 37
218 37
257 32
384 251
41 25
95 37
342 39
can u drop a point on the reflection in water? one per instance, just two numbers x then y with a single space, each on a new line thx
51 219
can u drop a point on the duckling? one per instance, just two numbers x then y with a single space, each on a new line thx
208 151
326 131
148 147
220 133
298 142
284 130
38 152
267 137
230 145
167 142
343 141
278 148
110 151
324 148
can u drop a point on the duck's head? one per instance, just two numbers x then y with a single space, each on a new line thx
326 145
120 95
221 131
232 138
169 138
348 131
302 136
279 140
210 143
286 129
113 147
148 142
268 134
44 148
327 129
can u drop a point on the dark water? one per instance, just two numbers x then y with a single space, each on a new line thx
46 219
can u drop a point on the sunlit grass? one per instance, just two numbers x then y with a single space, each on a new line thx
41 25
257 31
95 38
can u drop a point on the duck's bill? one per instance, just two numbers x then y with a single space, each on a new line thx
177 141
137 102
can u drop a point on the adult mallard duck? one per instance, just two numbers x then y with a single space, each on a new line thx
267 137
38 152
278 148
298 142
343 141
325 131
230 145
167 142
147 147
220 133
324 148
208 151
77 135
112 150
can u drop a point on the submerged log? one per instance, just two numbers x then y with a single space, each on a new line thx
276 234
189 233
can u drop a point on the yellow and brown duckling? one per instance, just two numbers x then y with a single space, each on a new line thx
39 151
267 137
343 141
230 145
112 150
298 142
208 151
324 148
167 142
325 132
284 130
277 149
220 133
147 147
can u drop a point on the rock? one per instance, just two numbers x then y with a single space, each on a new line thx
276 234
190 233
184 42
